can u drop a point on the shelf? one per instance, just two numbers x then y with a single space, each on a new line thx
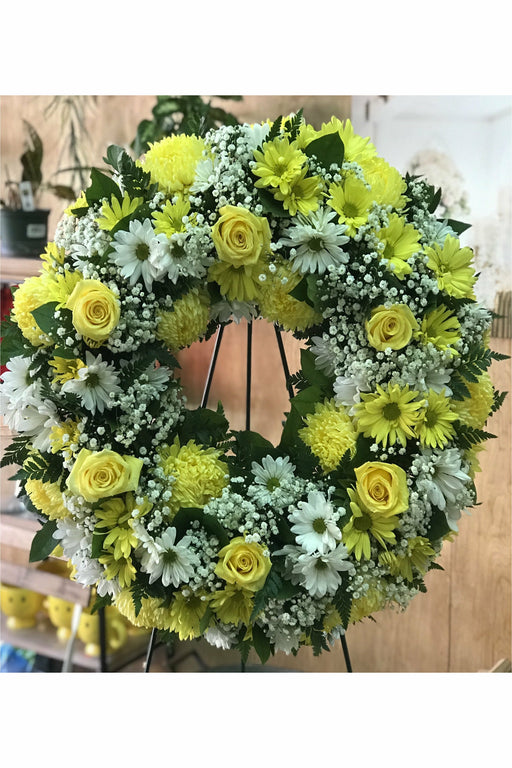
43 640
15 269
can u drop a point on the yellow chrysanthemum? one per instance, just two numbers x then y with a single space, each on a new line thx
185 614
65 369
401 241
151 613
364 524
52 257
452 267
198 473
233 604
170 220
352 201
47 497
64 435
81 202
278 165
276 304
389 415
186 322
476 409
329 432
436 426
304 195
172 162
418 557
36 291
120 568
388 185
441 328
357 148
116 519
374 600
113 212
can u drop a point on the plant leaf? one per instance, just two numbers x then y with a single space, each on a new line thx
43 542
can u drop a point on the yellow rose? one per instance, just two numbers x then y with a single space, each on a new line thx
391 327
95 310
240 237
243 564
382 488
96 475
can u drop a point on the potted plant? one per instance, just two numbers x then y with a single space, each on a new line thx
24 225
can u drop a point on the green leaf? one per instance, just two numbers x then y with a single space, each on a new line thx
304 402
98 537
205 620
43 542
270 589
499 398
101 602
13 342
261 643
458 226
275 129
271 205
250 446
45 317
204 426
438 526
101 186
342 601
468 436
328 149
17 452
312 373
184 517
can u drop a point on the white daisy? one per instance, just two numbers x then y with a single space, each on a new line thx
71 537
436 379
447 479
174 562
96 383
255 134
17 385
204 175
324 359
35 418
315 242
141 253
320 573
314 524
274 482
220 637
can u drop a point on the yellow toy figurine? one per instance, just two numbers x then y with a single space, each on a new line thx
89 631
60 613
21 606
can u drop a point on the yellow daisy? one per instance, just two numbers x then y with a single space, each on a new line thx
352 201
452 267
278 165
357 148
170 219
418 557
388 185
389 415
120 568
329 432
64 435
233 605
441 328
276 304
113 212
65 369
436 427
363 524
185 614
304 195
401 241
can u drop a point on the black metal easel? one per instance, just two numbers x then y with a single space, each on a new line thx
204 402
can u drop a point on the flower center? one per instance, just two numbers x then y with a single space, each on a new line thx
319 525
142 251
431 418
363 523
320 565
316 244
272 484
391 411
170 557
92 380
350 210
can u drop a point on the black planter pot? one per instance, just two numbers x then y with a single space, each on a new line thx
23 233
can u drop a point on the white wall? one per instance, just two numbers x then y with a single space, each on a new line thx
476 133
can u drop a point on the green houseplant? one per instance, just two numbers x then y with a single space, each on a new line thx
24 224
